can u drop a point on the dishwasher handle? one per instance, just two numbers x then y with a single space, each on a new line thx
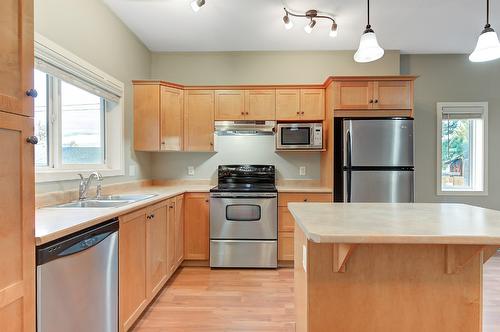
75 243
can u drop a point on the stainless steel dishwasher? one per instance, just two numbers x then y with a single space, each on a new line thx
77 281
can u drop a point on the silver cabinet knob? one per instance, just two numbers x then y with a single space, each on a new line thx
32 93
32 140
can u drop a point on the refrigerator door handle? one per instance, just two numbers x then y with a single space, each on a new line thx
348 185
348 148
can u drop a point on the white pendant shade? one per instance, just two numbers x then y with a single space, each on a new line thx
369 49
487 48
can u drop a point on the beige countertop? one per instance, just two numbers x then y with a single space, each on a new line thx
302 189
53 223
404 223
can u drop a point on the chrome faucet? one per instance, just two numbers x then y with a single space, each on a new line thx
85 185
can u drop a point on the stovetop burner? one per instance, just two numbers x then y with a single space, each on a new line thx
245 178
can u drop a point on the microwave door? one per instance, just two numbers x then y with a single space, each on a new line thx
295 137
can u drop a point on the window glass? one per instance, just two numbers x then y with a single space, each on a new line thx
82 126
41 119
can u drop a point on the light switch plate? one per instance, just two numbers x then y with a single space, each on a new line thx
190 170
132 170
304 257
302 170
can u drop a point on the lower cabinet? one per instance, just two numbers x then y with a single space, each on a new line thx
196 226
148 255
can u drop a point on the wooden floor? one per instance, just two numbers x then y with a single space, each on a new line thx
200 299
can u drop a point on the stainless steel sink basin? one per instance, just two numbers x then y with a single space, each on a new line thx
93 203
126 197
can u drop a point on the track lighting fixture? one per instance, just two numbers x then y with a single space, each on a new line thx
312 15
488 46
369 50
197 4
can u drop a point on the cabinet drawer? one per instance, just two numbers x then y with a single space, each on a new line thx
284 199
285 246
286 223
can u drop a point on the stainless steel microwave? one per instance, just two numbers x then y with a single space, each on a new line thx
295 136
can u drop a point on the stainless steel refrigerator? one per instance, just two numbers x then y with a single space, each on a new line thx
373 160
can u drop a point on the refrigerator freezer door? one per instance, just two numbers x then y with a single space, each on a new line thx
379 186
384 142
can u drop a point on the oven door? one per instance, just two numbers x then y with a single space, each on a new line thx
294 136
244 216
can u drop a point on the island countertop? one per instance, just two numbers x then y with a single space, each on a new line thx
397 223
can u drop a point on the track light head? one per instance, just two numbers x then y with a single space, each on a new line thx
288 22
309 27
333 30
197 4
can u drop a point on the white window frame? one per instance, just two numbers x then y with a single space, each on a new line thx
466 108
114 117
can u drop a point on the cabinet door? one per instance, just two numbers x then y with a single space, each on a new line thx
132 265
17 238
312 104
285 246
147 117
179 230
287 104
392 95
260 104
199 120
171 237
172 104
196 227
229 104
156 221
16 60
354 95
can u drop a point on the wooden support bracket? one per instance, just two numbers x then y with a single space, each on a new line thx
341 254
458 256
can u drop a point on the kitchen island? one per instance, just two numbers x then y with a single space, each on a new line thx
391 267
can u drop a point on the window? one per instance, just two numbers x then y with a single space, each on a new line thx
78 116
462 148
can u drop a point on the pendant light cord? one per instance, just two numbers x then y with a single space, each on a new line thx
487 12
368 5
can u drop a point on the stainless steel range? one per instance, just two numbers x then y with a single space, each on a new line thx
244 217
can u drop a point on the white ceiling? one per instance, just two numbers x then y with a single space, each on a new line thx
418 26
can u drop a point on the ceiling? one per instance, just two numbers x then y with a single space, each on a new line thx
418 26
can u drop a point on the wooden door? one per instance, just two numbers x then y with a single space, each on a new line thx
172 104
17 231
354 95
147 117
132 266
392 95
287 104
171 237
260 104
229 105
16 56
312 104
196 227
199 120
179 230
156 225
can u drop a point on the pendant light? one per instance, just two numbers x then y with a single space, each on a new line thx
369 50
488 46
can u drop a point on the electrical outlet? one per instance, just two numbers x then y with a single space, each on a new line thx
302 170
190 170
132 170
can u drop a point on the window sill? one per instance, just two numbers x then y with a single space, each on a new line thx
462 193
72 174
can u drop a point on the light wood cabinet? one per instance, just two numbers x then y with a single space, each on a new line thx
16 60
17 240
196 226
199 120
229 105
286 223
260 104
156 227
381 95
300 104
132 267
158 119
179 230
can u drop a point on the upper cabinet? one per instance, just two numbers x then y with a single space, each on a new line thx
16 60
199 120
368 94
300 104
171 114
245 105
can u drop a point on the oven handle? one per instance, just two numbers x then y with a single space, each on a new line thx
242 196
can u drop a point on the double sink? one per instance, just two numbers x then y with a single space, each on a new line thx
110 201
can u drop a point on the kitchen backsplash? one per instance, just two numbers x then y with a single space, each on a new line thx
236 150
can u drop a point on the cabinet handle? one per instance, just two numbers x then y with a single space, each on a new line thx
242 113
163 143
302 113
376 101
305 199
32 140
371 101
206 201
298 113
211 143
247 113
32 93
